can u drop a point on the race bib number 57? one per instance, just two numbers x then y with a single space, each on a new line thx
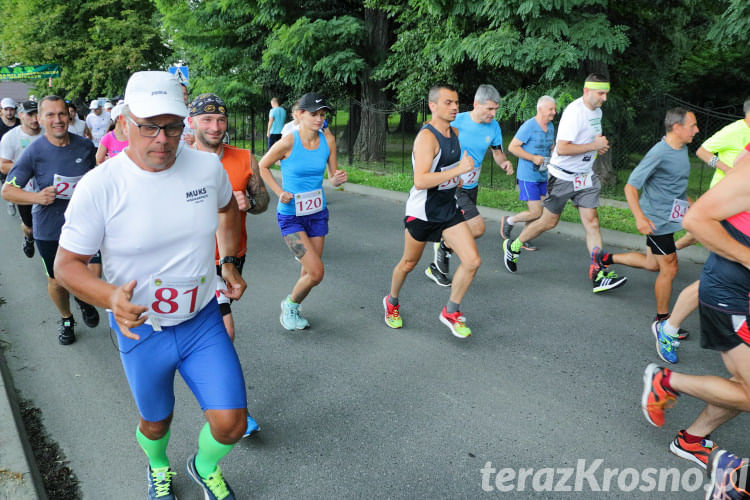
582 181
175 298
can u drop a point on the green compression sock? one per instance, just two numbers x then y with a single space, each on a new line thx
516 245
155 450
210 451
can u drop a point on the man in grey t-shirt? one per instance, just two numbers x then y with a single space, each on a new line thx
662 176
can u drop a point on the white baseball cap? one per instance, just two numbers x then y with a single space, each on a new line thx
116 111
108 105
153 93
94 104
7 102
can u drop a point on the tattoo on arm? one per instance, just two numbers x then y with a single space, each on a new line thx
295 245
256 188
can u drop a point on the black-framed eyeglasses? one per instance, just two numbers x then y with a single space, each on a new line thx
151 130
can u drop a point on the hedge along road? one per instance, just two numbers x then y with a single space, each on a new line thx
351 408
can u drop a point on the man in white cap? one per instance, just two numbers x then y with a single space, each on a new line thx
97 121
161 284
8 120
12 145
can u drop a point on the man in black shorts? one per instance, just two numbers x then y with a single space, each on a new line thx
662 176
56 162
431 212
720 220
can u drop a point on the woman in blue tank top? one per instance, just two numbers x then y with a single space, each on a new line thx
301 211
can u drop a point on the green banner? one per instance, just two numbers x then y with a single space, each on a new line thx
23 72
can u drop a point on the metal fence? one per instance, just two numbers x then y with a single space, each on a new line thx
630 140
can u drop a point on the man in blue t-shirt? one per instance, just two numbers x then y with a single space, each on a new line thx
532 144
477 131
57 161
276 119
662 177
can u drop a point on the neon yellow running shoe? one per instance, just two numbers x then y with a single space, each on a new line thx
392 316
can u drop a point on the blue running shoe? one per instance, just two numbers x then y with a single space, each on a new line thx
290 318
252 427
666 346
214 486
160 483
728 476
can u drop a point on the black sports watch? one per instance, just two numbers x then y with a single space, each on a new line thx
229 260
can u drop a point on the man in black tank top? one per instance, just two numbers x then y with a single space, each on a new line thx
431 212
720 221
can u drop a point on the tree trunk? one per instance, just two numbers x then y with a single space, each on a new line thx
355 118
371 140
605 170
408 122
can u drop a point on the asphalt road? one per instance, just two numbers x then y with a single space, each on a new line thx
352 409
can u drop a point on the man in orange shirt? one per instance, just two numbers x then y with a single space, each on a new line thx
208 119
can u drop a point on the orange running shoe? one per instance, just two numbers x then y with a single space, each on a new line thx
695 452
655 397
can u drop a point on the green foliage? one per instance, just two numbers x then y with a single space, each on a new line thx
98 43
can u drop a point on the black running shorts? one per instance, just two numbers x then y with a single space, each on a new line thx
430 231
722 331
466 199
661 244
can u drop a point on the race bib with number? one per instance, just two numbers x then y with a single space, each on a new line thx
582 181
545 164
308 203
679 209
470 178
175 298
452 182
64 186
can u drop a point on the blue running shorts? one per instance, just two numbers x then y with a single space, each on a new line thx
199 348
313 225
532 191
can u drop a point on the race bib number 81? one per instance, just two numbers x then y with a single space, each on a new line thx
175 298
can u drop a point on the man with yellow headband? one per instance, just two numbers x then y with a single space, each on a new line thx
571 177
721 149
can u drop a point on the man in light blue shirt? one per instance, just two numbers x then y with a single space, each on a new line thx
533 146
477 131
276 119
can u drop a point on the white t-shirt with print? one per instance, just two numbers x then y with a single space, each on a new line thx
155 227
13 143
579 125
98 125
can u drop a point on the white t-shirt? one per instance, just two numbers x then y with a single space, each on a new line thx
155 227
77 126
579 125
289 127
98 125
13 144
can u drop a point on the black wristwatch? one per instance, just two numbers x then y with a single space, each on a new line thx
229 260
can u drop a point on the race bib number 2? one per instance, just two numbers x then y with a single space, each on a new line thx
64 186
308 203
175 298
582 181
679 209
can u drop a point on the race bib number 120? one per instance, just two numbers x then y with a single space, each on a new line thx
308 203
64 186
175 298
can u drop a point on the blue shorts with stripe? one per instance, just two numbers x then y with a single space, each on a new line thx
199 348
532 191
